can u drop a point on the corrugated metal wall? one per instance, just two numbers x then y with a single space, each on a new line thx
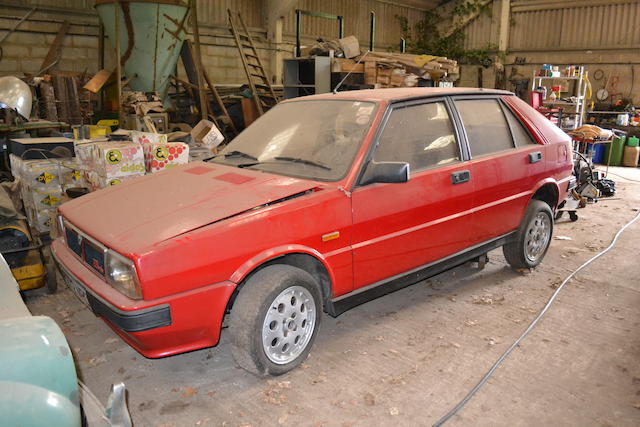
356 20
355 12
548 26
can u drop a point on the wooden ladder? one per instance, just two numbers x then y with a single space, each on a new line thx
263 95
188 60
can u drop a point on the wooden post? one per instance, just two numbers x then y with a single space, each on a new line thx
505 17
116 13
198 61
101 61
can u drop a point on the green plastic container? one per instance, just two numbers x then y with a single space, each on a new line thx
617 151
633 141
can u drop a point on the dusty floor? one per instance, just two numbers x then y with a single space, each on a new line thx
407 358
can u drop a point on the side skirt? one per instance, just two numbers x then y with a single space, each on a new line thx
336 306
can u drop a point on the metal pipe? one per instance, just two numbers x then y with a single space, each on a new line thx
372 31
341 21
403 45
24 18
298 23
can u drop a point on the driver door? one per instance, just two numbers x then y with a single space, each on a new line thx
400 227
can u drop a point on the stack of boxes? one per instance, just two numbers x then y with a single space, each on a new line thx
97 165
159 154
42 185
114 162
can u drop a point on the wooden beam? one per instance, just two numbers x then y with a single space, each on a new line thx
530 6
198 60
467 19
53 56
505 21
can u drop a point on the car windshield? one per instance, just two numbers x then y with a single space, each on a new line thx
307 139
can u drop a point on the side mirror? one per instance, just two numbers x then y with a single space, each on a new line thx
387 172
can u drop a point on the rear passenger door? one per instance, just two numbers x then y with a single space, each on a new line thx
399 227
506 163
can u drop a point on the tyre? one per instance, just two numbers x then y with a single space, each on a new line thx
275 319
532 238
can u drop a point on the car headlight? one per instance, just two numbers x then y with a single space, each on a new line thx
57 229
121 274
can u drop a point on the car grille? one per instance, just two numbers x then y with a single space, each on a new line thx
88 250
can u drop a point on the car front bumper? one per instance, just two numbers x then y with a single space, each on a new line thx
155 328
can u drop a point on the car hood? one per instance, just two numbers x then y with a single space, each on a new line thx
137 214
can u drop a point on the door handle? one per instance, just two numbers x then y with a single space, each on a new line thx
460 177
535 157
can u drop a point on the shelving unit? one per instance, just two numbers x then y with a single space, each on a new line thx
306 76
579 90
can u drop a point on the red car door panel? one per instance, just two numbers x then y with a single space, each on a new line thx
398 227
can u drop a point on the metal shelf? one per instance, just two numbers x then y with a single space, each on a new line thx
557 78
579 91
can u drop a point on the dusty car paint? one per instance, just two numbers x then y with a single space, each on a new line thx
196 232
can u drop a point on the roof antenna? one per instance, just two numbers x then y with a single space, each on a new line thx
335 89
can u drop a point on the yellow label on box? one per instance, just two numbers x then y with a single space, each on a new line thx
114 156
161 152
50 200
45 177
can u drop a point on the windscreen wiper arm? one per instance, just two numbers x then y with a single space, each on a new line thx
303 161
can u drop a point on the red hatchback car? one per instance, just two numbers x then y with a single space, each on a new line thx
322 204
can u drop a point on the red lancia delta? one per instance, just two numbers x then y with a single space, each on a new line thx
322 204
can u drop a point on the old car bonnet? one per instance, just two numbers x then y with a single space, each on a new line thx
134 215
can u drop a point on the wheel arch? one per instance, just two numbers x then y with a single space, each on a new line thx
547 191
298 256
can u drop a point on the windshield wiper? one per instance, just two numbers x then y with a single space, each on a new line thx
303 161
235 153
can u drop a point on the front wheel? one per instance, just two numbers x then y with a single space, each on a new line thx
275 319
532 238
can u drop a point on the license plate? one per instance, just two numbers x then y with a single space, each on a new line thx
77 289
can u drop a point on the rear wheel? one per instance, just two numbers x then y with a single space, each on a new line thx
532 238
275 319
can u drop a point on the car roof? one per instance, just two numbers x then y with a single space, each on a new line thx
403 93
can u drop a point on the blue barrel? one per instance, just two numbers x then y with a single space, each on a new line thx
598 154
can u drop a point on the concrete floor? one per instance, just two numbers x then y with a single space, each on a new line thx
407 358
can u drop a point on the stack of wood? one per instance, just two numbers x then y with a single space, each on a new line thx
398 69
61 98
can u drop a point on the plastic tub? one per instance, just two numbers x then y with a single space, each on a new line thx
617 151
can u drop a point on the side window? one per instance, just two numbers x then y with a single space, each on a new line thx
486 126
520 133
421 135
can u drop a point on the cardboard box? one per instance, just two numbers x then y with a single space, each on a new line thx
40 173
43 198
71 173
41 220
84 153
206 133
370 72
117 159
350 46
347 66
158 157
97 182
148 137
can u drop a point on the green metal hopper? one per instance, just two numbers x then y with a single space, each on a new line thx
151 36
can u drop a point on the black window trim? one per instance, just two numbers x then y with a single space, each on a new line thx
500 101
506 109
383 123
